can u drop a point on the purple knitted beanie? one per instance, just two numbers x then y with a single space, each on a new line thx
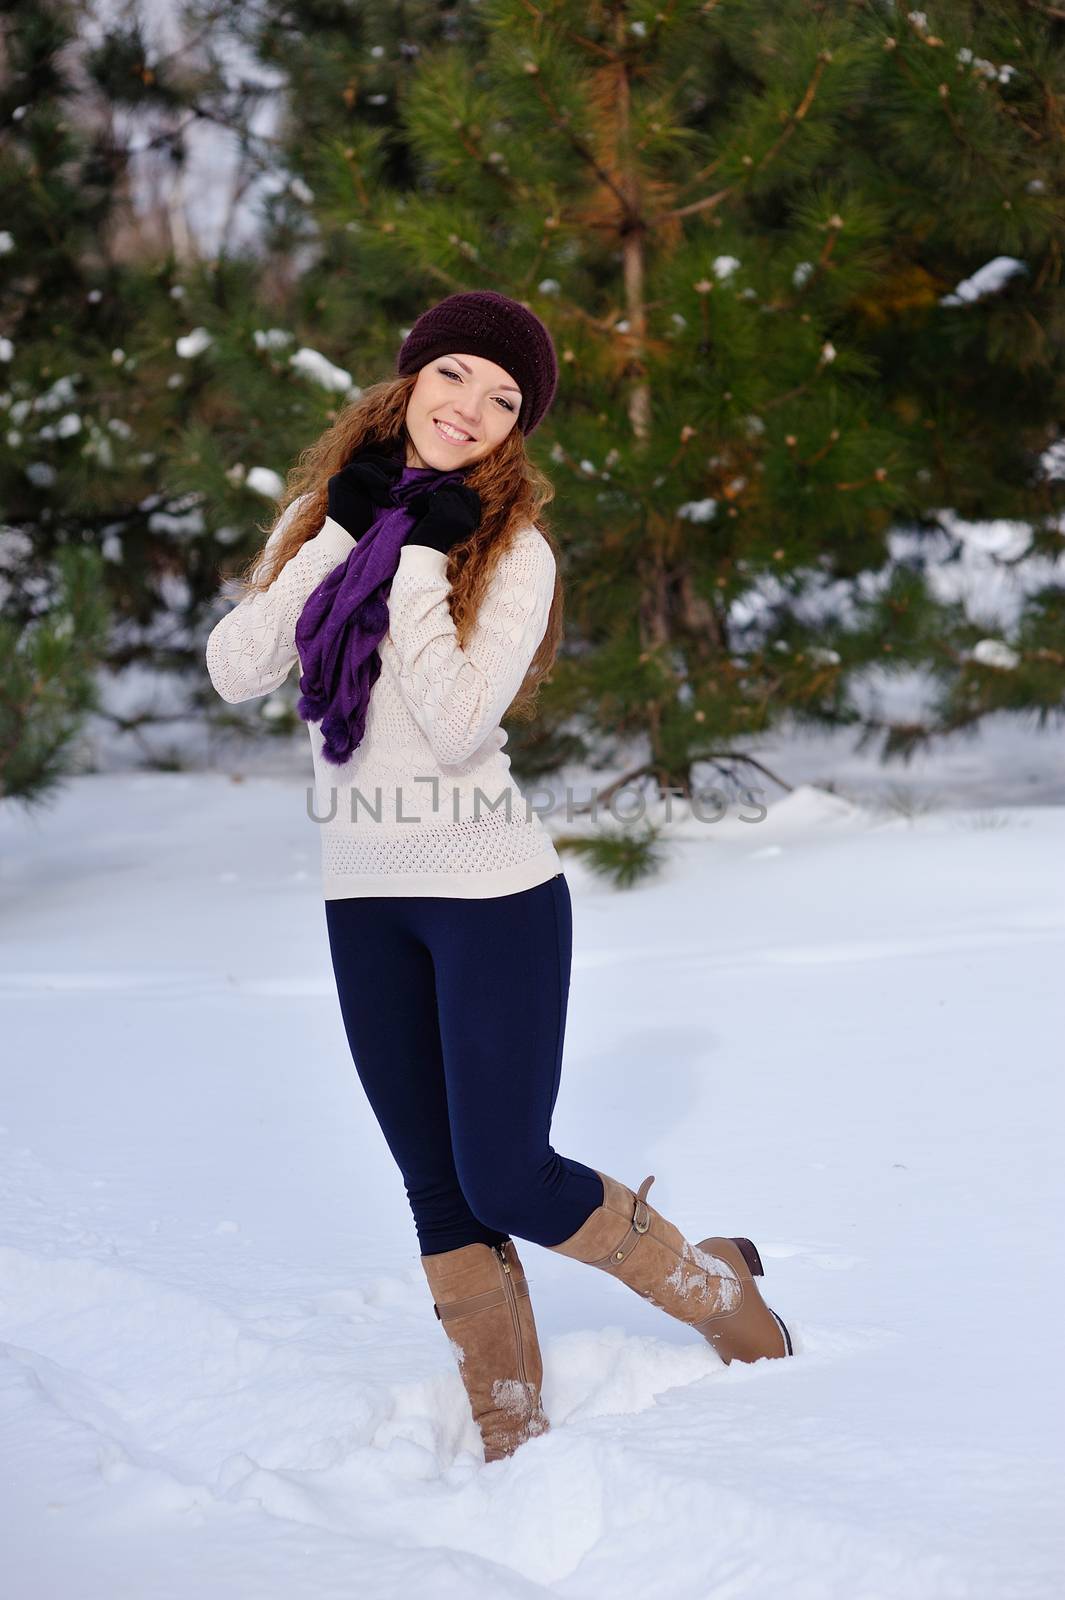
486 324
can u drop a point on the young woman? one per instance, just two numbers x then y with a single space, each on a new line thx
413 577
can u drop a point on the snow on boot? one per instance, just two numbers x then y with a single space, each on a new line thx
481 1296
710 1286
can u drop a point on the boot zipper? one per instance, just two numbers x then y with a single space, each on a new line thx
508 1286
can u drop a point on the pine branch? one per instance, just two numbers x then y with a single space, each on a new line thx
591 45
711 202
576 144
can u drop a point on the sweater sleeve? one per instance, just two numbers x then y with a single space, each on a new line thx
252 649
457 695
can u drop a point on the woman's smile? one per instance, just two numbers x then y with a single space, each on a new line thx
454 436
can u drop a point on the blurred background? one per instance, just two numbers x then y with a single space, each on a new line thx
804 278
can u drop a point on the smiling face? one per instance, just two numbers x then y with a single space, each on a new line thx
471 395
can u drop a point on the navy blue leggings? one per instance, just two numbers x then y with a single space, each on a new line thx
455 1013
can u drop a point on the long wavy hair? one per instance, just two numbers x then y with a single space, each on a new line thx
513 493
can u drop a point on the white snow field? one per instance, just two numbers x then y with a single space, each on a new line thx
837 1031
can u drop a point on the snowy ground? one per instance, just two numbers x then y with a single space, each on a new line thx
837 1031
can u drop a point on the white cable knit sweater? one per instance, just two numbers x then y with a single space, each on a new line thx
426 804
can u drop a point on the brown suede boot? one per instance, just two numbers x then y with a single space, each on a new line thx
481 1295
710 1286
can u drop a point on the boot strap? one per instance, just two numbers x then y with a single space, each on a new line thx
478 1302
641 1221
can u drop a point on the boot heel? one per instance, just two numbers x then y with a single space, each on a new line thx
751 1256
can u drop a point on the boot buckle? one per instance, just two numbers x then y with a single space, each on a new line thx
640 1199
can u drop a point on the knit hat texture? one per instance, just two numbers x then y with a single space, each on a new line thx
486 324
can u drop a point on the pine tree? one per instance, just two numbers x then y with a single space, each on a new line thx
49 682
92 329
747 225
801 265
131 429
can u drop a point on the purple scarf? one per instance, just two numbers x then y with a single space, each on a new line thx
346 617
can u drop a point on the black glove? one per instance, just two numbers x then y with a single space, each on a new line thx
444 517
358 490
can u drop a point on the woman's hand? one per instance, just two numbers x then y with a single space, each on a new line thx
445 517
357 491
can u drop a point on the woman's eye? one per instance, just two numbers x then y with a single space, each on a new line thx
449 374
